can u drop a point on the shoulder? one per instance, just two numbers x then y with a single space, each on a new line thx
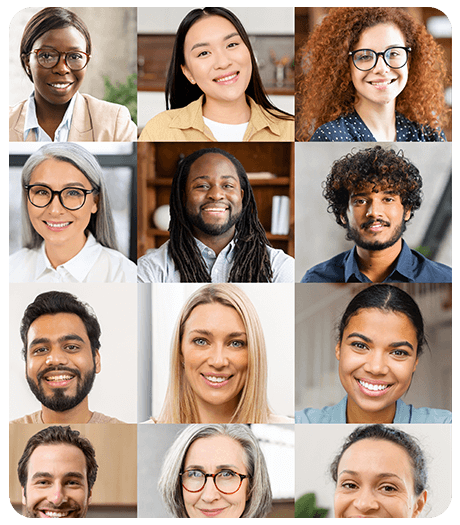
121 268
269 125
97 417
282 265
314 415
33 418
431 415
428 271
330 271
346 128
22 265
410 131
155 265
17 115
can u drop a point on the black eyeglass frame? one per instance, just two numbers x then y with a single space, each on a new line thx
382 54
65 53
213 476
86 192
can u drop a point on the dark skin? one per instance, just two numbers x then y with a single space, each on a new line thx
55 87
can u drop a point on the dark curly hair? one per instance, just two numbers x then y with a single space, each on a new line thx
325 90
382 168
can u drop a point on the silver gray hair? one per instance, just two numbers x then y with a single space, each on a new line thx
259 499
101 224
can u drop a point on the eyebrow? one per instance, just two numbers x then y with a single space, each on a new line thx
368 340
203 44
77 475
381 475
207 177
69 185
207 332
364 193
218 467
62 339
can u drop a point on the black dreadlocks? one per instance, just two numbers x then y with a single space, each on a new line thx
251 262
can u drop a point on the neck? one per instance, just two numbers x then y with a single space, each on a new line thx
216 242
49 116
58 255
79 414
356 415
231 112
209 414
378 264
380 119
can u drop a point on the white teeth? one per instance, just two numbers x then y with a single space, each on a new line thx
58 224
370 386
225 79
55 514
216 379
59 378
60 85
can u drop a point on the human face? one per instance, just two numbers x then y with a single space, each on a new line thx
56 86
57 485
217 59
213 196
60 367
215 353
211 455
375 220
375 480
60 227
377 358
382 84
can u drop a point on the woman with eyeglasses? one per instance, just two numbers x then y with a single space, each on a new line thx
55 51
215 471
68 233
371 74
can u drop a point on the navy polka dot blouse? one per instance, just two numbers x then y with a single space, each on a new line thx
351 128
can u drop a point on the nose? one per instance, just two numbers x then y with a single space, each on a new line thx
56 357
365 500
376 363
381 65
218 356
61 67
57 495
55 205
374 208
210 492
215 193
221 59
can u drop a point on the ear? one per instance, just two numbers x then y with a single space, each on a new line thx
187 74
415 365
419 504
24 501
97 362
337 351
407 214
90 496
95 206
343 219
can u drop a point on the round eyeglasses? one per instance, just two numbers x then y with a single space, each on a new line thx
394 57
226 481
71 198
48 58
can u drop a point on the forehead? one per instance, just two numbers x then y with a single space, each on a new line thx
370 189
216 451
53 325
212 166
381 36
57 172
215 315
208 28
369 322
57 460
69 37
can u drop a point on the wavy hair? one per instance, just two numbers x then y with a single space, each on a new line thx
325 90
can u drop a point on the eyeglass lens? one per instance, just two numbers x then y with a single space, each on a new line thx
50 57
71 198
226 481
394 57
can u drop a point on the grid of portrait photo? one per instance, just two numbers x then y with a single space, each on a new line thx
230 262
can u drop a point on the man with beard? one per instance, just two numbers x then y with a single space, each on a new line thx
57 472
60 337
373 194
215 233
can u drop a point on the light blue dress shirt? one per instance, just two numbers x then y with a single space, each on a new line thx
404 414
156 266
32 126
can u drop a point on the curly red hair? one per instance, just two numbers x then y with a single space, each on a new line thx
324 87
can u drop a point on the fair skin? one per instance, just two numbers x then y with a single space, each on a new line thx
211 455
55 87
217 60
63 230
57 485
59 358
215 356
377 89
377 359
376 218
213 196
375 480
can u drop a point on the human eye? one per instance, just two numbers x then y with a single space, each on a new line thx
359 345
227 474
47 55
72 348
399 352
349 485
358 201
204 53
237 344
364 55
194 474
39 350
200 341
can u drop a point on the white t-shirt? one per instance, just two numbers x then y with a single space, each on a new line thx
93 264
226 132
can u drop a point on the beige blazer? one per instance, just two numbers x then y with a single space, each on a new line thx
93 120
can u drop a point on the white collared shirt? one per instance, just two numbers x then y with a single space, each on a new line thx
94 263
31 124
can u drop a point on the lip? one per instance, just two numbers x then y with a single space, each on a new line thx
381 83
375 226
214 209
229 78
222 380
59 513
367 386
61 379
60 87
212 513
57 226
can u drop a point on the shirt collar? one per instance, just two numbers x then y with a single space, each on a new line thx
79 266
31 123
207 252
403 265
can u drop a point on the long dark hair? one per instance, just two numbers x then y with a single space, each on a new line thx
180 92
251 262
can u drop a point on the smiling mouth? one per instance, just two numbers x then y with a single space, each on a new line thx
56 513
211 512
216 381
57 225
375 226
60 85
227 78
373 389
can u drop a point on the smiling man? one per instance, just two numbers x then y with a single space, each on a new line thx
373 194
61 336
57 472
215 233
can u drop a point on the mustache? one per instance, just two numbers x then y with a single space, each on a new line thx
73 371
373 221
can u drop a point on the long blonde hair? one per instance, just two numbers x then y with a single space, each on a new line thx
180 403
